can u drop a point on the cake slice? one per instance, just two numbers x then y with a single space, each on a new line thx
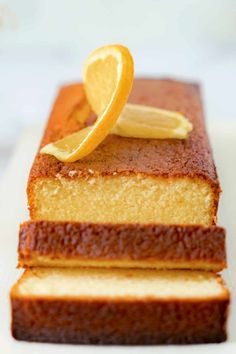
127 180
55 243
118 306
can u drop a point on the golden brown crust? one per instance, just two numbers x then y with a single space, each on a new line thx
118 321
195 245
123 156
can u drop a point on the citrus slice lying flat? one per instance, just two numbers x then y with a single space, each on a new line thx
135 121
108 77
138 121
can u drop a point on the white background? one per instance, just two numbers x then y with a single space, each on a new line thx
43 43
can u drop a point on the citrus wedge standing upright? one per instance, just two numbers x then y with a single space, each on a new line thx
108 77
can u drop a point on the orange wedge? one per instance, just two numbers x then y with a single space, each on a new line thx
108 77
138 121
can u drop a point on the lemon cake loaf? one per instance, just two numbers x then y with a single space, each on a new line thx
118 306
128 180
58 243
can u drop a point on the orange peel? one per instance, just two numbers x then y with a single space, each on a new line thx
108 78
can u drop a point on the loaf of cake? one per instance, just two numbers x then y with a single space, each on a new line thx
122 245
63 244
128 180
118 306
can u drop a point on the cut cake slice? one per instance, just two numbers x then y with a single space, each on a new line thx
128 180
63 244
118 306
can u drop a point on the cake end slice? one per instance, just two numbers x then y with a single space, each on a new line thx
103 306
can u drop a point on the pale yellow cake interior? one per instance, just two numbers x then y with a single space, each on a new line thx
119 283
123 199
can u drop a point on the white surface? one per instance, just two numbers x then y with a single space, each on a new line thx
13 211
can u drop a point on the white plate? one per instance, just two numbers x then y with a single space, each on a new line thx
13 211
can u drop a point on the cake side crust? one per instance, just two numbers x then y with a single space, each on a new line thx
91 320
49 243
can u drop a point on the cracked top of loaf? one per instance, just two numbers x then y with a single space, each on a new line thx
191 157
